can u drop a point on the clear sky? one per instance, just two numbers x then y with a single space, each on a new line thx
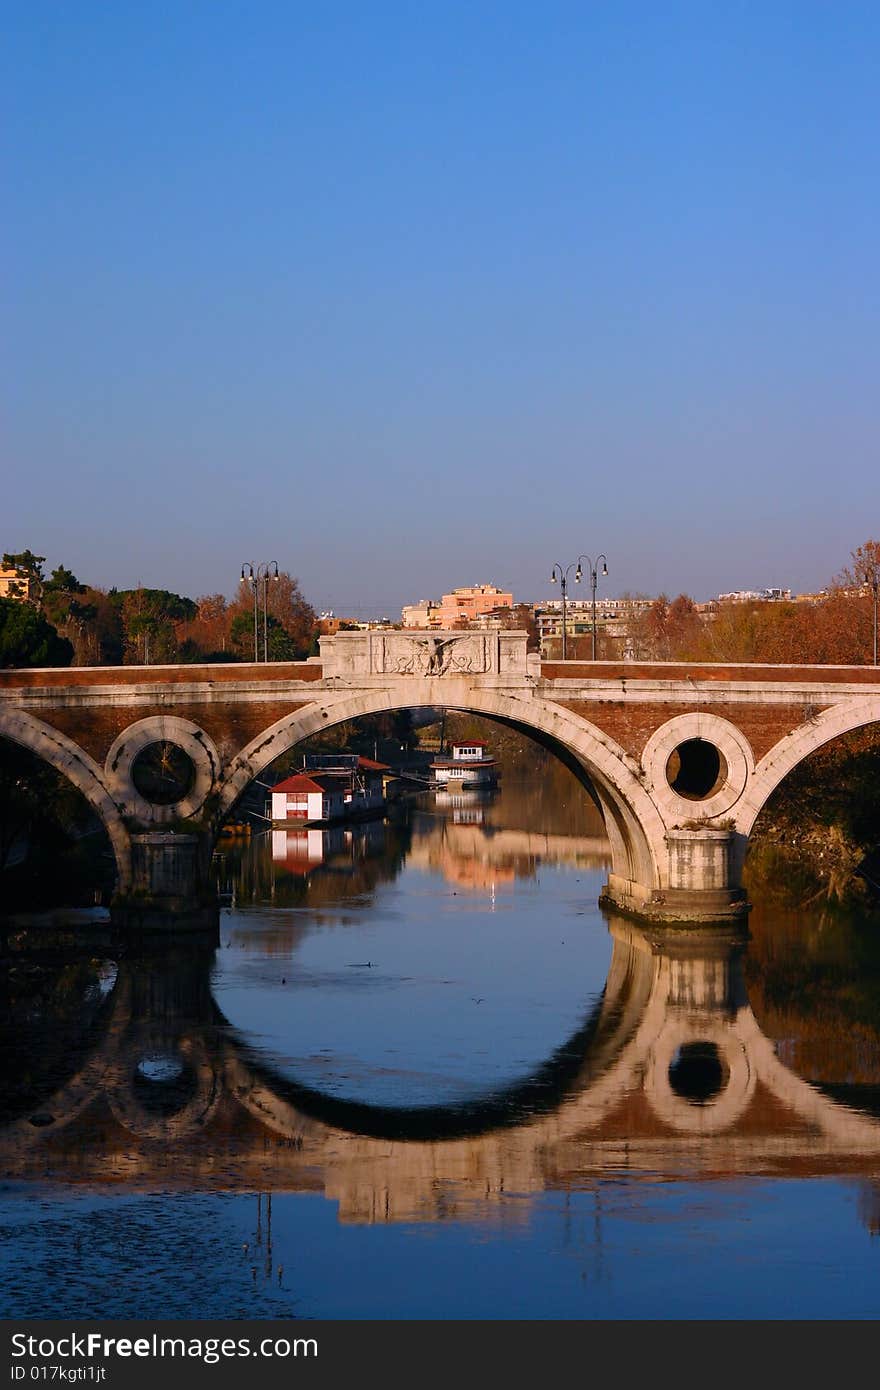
412 295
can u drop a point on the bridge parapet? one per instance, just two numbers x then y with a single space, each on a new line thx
395 654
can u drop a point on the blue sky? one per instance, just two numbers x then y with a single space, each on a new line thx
406 296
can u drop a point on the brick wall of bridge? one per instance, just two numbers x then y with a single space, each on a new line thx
631 724
627 671
95 677
231 726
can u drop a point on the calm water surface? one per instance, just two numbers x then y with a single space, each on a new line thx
422 1075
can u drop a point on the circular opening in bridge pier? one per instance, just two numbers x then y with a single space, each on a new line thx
696 769
697 1073
162 773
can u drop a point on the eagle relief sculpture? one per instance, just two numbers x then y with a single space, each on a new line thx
436 656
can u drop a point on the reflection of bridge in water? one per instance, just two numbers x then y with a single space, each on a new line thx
670 1077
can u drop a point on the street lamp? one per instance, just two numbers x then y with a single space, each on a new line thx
264 572
869 573
258 575
594 579
563 581
247 572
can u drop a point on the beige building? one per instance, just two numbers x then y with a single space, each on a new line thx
14 585
421 614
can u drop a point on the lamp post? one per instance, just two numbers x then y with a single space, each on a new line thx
869 574
563 581
594 579
264 572
260 574
247 572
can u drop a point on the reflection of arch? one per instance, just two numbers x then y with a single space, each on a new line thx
785 756
277 1099
159 1005
662 990
633 822
74 763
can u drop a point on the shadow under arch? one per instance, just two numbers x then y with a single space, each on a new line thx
633 823
74 763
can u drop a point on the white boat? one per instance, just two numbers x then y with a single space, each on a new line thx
469 767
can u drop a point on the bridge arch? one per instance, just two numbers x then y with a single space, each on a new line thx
635 828
74 763
791 750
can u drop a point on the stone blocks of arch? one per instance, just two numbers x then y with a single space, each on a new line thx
185 735
733 747
841 718
60 752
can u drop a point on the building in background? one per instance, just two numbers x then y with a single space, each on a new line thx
421 615
16 585
463 606
614 617
756 596
470 606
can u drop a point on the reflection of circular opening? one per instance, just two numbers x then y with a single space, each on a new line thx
697 1073
163 1084
163 773
696 769
160 1068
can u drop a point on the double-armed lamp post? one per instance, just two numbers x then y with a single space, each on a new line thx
594 579
560 575
260 575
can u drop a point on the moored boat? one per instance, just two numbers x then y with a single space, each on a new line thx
469 767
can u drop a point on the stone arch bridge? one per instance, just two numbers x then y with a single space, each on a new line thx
680 758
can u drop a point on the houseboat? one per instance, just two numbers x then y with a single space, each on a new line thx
330 788
470 767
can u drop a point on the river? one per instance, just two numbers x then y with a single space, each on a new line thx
422 1075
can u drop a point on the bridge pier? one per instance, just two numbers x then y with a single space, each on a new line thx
169 890
702 882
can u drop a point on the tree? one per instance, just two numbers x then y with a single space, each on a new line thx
27 639
863 573
63 581
149 622
207 635
63 605
667 629
98 640
863 569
